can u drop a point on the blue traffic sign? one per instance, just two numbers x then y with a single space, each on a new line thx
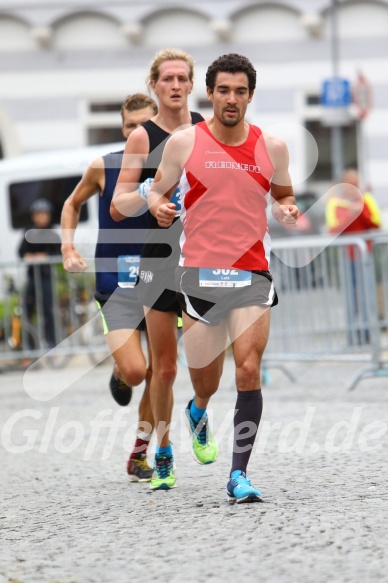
336 92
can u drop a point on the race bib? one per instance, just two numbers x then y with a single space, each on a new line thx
127 270
224 277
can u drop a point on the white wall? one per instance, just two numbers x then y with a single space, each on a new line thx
15 35
90 56
363 19
85 31
177 28
263 23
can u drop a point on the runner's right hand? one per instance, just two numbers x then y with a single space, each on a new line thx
73 262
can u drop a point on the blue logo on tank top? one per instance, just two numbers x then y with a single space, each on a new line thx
176 198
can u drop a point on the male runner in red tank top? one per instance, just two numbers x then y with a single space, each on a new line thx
225 169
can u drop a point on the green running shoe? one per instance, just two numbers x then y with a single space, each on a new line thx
163 475
204 447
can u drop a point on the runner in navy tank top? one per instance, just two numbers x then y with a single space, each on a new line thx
171 79
116 267
225 169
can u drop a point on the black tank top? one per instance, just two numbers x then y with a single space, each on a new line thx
167 252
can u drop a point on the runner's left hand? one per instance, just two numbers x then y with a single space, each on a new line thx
288 214
166 214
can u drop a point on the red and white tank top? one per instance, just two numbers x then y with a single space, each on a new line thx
224 199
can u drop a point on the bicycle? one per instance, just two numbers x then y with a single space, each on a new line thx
20 335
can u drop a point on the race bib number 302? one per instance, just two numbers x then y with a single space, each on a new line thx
209 277
128 270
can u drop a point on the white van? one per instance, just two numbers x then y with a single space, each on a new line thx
52 175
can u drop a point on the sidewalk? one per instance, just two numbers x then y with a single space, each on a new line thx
69 515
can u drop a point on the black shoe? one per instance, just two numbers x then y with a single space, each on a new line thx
121 393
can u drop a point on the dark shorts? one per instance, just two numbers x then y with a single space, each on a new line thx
120 312
156 290
197 301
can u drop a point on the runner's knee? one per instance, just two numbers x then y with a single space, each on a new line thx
165 371
248 375
132 374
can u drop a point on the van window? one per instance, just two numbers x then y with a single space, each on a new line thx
56 190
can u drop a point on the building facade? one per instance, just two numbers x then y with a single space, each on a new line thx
65 67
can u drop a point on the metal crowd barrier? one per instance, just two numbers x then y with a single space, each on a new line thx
34 327
333 307
333 302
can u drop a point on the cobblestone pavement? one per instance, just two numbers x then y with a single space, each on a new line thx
68 515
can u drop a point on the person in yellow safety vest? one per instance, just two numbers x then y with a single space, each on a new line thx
350 212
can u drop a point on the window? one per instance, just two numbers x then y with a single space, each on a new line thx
103 122
322 135
104 135
56 190
313 100
104 106
204 103
314 115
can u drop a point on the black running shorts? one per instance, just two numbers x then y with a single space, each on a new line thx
156 290
197 301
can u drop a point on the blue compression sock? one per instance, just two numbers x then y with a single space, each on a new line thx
164 450
195 412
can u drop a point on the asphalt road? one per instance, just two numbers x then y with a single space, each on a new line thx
68 514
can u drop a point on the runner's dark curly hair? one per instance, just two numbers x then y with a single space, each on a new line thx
231 63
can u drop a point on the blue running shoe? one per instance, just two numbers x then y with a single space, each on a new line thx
239 489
